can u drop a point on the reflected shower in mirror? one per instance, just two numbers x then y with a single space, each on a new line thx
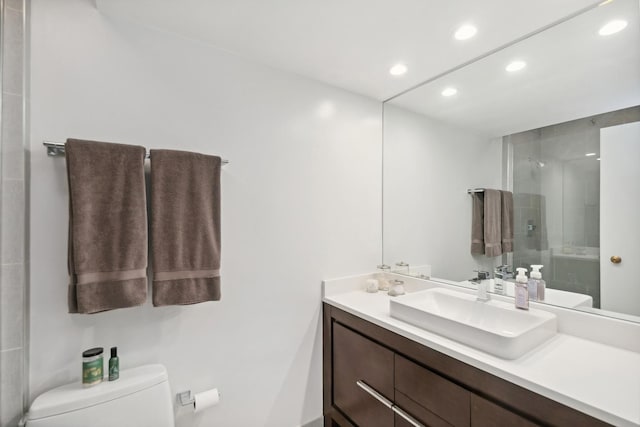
542 118
557 203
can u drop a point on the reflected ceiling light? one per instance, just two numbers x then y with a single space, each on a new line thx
465 32
398 70
598 158
613 27
590 154
515 66
450 91
605 2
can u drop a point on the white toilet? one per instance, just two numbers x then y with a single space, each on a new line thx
140 398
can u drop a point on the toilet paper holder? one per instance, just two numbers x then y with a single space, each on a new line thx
185 398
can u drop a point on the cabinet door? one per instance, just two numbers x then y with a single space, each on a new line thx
436 394
356 358
488 414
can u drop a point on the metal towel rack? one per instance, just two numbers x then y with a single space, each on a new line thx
56 149
475 190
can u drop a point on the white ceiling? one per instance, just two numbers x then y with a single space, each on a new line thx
572 72
349 43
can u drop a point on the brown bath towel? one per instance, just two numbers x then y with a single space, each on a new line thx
107 226
507 221
185 227
477 224
492 223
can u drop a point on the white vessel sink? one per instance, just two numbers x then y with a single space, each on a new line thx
495 327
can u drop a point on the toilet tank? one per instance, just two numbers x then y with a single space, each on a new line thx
140 398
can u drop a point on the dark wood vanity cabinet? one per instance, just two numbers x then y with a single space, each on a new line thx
376 378
441 399
361 359
486 414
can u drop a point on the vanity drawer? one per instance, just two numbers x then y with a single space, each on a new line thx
436 394
488 414
420 414
356 358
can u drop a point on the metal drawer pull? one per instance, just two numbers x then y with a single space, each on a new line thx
386 402
406 416
389 404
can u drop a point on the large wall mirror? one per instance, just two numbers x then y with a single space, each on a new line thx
554 118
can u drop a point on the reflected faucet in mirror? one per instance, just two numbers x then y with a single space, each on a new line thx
501 273
482 275
401 265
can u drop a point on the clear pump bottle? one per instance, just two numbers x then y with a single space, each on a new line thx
522 295
539 284
532 287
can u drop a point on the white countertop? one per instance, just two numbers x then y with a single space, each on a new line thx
595 378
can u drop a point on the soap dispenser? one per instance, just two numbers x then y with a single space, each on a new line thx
522 295
532 286
538 283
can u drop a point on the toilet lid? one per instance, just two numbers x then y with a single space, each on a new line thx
75 396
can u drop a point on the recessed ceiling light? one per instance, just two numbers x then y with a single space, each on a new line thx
450 91
398 70
465 32
515 66
613 27
590 154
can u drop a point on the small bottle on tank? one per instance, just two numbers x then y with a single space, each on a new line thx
114 365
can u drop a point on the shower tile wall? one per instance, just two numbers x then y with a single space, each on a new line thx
557 200
526 199
12 215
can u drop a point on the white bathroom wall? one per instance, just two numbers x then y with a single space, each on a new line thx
428 167
301 203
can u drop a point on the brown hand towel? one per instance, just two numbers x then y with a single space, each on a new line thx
107 226
492 223
507 221
185 227
477 224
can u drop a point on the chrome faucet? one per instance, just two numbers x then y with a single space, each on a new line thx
481 281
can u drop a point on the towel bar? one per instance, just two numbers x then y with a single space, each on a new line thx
56 149
475 190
